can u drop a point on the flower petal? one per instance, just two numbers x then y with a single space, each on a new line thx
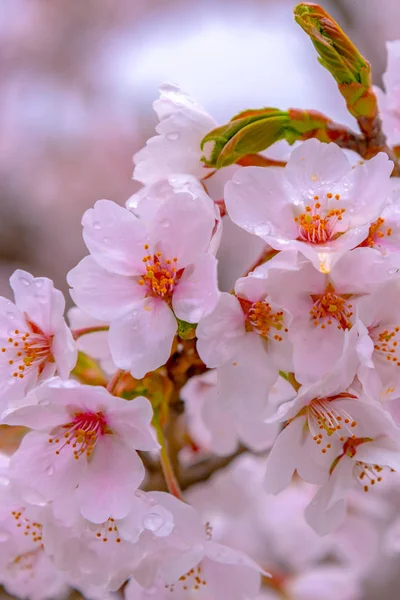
196 294
141 340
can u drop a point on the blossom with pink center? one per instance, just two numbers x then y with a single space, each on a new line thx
323 306
34 338
188 563
384 233
143 273
176 148
105 554
365 460
319 420
245 337
26 571
389 101
82 437
318 204
379 371
213 426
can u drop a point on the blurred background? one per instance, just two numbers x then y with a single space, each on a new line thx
78 77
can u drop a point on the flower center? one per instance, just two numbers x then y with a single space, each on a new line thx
386 344
161 275
29 528
325 420
330 307
368 475
82 434
316 227
261 318
108 530
376 233
193 580
27 350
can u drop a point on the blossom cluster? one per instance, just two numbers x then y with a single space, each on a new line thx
299 362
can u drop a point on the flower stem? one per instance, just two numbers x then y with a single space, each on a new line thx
166 464
114 381
77 333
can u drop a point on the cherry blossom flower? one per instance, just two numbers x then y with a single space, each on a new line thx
176 148
384 233
323 306
246 338
104 554
35 340
389 103
379 370
365 459
318 204
190 562
25 569
319 420
82 436
142 273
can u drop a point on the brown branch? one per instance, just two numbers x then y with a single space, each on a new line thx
197 473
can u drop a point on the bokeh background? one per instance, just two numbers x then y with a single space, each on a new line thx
78 77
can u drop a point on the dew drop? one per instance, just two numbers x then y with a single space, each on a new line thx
4 535
153 522
33 497
39 283
50 470
173 135
24 281
393 271
41 299
96 225
106 240
164 223
10 315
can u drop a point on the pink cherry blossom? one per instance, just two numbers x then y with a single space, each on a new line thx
189 562
26 571
379 370
35 340
82 436
105 554
246 339
365 459
319 420
323 306
389 102
176 148
143 273
318 204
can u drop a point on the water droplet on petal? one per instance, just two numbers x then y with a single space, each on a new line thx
41 299
10 315
39 283
33 497
106 240
393 271
164 223
24 281
4 535
153 522
173 135
96 225
50 470
152 590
